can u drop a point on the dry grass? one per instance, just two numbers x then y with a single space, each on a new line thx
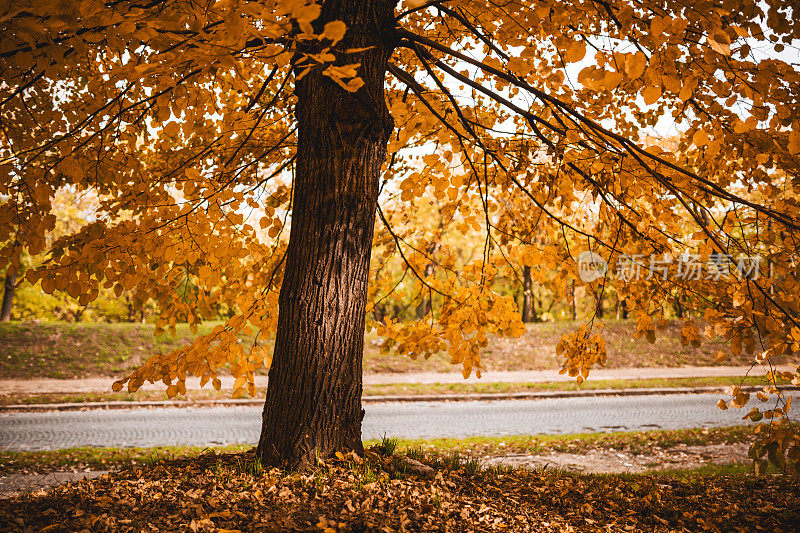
69 350
57 350
536 350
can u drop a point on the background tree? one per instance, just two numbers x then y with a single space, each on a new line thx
8 295
202 125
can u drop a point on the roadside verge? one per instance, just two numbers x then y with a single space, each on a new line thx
78 406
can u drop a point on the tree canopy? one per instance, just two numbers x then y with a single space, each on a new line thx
658 135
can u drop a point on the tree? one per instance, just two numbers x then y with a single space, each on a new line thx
178 115
8 296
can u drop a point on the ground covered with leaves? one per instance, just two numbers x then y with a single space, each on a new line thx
384 492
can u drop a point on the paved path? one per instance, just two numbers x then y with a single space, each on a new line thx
219 425
14 484
99 384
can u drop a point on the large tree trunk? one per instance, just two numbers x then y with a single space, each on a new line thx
313 405
8 296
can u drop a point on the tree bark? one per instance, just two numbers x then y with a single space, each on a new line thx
313 405
8 296
424 306
678 305
573 301
528 310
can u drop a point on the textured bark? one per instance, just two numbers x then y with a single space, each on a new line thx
313 404
8 297
528 311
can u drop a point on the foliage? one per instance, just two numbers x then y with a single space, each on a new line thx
227 492
177 117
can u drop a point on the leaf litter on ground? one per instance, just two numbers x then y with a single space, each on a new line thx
379 492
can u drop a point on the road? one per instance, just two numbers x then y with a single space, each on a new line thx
229 425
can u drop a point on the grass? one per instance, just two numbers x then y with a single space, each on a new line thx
395 389
629 441
74 350
94 458
443 451
70 350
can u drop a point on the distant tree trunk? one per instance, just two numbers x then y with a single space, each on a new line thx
622 309
573 301
131 309
8 296
599 311
528 309
78 315
424 306
313 404
678 307
379 312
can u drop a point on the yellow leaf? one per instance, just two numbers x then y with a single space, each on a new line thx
658 25
722 405
575 51
635 65
334 31
720 42
171 128
611 80
307 13
700 138
736 346
651 95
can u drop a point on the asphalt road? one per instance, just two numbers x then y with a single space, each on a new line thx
229 425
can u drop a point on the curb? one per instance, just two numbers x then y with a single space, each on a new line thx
38 407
